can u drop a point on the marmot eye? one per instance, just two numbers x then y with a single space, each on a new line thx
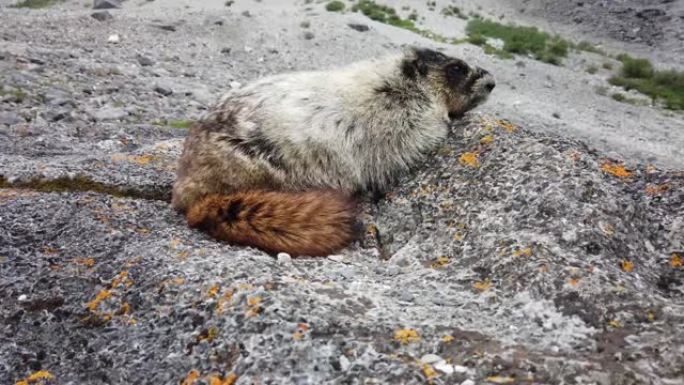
456 71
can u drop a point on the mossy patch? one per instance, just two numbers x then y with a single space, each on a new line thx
662 86
180 124
335 6
82 183
35 4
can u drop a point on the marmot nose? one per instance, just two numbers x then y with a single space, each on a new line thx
490 85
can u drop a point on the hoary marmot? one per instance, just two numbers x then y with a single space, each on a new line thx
276 163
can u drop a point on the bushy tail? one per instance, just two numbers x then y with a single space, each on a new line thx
313 223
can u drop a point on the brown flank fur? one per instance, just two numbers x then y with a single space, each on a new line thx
312 223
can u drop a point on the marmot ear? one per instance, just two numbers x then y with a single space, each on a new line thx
419 61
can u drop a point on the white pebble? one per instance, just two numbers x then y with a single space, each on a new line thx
336 258
235 84
114 39
460 369
430 358
22 298
443 367
468 382
284 258
344 363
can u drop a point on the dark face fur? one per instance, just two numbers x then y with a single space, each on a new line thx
462 86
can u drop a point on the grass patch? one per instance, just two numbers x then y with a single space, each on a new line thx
180 124
34 4
335 6
607 66
388 15
663 86
520 40
588 47
592 69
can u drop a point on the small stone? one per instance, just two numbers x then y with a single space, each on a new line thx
336 258
359 27
468 382
108 113
308 35
235 84
9 118
106 4
22 298
248 49
246 14
144 60
556 115
225 50
443 367
114 39
101 16
166 91
284 258
460 369
430 359
166 27
344 363
305 24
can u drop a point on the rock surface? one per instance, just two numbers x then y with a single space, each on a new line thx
542 252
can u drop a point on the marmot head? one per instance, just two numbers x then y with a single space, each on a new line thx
461 86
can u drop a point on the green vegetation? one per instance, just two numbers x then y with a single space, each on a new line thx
607 66
592 69
34 4
639 74
519 40
335 6
588 47
180 124
388 15
18 95
619 97
229 3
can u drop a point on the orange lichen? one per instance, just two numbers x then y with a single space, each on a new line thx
35 377
440 262
573 281
217 380
101 296
254 306
615 324
87 262
121 279
191 378
405 336
429 372
447 339
483 286
297 335
125 308
675 261
469 159
223 299
627 266
616 170
487 139
656 189
213 290
506 125
500 379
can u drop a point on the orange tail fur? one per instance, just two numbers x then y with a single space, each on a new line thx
313 223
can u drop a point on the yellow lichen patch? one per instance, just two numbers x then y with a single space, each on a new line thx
447 338
458 237
208 334
650 316
191 378
616 170
651 169
223 299
526 252
429 372
656 189
227 380
122 279
607 229
124 309
506 125
469 159
213 290
614 324
101 296
297 335
441 262
500 379
405 336
483 286
87 262
35 377
175 243
675 261
487 139
627 266
254 306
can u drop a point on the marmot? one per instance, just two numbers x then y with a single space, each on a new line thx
276 164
